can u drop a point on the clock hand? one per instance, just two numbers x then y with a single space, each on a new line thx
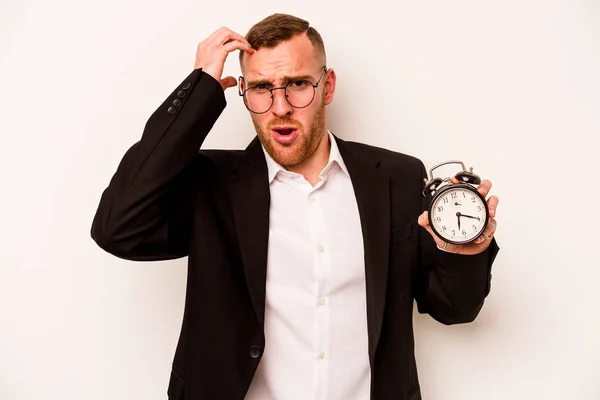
458 214
468 216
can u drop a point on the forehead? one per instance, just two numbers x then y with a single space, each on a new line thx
293 57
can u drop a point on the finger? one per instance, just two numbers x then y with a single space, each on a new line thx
454 180
237 45
423 219
228 82
228 35
493 205
485 187
218 36
424 222
488 233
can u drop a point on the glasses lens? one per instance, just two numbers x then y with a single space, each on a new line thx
300 93
258 100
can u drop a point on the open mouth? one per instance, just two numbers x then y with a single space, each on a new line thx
285 134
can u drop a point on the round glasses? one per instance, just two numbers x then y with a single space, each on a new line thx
298 93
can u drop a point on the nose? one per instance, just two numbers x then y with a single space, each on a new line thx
280 107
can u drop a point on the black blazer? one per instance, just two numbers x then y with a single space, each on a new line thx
169 200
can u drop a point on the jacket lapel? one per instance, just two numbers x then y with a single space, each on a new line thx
250 199
372 191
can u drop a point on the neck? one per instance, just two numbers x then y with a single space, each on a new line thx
312 167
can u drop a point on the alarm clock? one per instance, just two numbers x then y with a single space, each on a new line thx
458 213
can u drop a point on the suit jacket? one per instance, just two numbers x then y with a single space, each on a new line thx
169 200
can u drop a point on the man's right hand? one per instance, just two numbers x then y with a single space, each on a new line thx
213 52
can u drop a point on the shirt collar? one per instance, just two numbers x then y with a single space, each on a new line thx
335 157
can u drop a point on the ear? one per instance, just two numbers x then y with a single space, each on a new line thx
329 86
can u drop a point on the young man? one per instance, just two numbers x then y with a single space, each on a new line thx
305 254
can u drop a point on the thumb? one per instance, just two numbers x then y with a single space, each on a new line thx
424 222
228 82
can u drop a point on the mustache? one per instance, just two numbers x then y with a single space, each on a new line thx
284 121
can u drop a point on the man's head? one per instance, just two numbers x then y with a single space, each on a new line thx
288 54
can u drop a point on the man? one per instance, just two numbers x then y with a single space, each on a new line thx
304 252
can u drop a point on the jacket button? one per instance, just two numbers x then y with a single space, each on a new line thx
181 94
176 102
254 351
172 110
186 85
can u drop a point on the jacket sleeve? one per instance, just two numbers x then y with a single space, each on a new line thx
451 287
145 212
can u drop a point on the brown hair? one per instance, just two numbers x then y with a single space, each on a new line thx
278 28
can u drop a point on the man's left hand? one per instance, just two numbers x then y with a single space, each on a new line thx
482 242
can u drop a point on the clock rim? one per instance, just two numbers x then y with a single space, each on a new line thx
458 186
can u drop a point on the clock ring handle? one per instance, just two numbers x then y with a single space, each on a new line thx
465 175
449 162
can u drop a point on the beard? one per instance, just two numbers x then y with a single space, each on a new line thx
303 147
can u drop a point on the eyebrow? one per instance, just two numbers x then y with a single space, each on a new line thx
286 79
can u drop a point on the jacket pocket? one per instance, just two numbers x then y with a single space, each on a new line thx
415 394
401 233
176 389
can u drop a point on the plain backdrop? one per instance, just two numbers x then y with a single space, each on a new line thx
511 88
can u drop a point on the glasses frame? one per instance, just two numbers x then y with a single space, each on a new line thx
284 88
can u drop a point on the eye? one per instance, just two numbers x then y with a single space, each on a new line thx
298 86
260 89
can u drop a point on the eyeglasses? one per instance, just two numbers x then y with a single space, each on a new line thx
299 94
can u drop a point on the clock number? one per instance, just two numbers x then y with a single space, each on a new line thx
438 219
444 228
473 198
464 232
440 209
464 195
453 232
445 200
478 208
453 195
474 228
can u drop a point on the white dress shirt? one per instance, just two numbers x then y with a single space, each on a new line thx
315 310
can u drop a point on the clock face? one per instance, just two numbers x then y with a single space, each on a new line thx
458 214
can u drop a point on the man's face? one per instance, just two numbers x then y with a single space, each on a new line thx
290 135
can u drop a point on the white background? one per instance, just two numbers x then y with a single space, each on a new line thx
509 87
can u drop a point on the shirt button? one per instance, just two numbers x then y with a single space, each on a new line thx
321 301
321 249
322 356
